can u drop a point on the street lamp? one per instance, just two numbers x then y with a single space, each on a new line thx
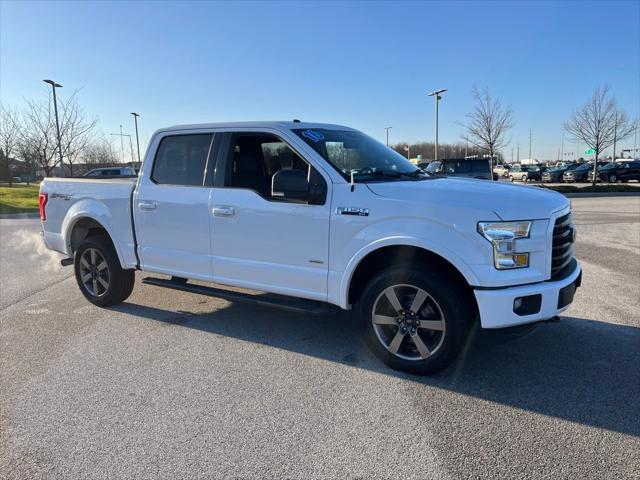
387 129
437 96
135 118
55 107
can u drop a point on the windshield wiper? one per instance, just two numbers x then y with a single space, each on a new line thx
416 174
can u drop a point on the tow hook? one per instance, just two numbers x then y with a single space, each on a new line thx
65 262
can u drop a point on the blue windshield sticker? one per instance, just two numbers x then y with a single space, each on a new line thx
313 136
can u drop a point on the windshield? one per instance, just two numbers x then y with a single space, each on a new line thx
354 153
434 167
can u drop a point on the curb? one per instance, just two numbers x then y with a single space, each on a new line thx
601 194
19 215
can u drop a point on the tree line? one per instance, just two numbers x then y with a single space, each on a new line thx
599 124
30 135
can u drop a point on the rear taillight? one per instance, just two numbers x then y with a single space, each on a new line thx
43 198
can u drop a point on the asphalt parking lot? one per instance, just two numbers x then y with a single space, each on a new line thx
172 385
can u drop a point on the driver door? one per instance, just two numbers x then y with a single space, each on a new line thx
263 241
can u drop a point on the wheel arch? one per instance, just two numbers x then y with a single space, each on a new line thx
80 225
377 257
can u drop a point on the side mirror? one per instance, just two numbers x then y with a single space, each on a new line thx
293 185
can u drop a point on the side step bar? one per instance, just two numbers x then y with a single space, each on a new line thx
282 302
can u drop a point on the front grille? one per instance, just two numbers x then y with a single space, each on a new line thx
562 246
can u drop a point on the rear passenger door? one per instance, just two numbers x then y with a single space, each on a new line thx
262 240
171 207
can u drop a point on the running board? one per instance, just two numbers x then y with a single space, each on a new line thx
292 304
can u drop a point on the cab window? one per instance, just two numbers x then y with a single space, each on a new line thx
256 161
182 160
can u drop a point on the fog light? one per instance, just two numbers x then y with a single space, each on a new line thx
528 305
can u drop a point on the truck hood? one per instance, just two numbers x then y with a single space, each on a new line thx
508 201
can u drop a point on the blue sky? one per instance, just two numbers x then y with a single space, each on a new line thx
365 64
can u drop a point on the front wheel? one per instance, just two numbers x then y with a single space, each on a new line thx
613 178
413 321
511 178
99 274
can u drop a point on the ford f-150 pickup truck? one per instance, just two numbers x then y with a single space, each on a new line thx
319 215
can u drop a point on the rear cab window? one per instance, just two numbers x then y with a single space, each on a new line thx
182 160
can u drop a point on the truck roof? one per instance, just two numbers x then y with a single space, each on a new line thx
256 124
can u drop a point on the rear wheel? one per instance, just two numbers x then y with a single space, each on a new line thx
511 178
524 178
613 178
98 272
413 320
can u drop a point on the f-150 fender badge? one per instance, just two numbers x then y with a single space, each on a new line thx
358 211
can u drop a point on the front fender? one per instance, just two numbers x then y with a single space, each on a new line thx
443 240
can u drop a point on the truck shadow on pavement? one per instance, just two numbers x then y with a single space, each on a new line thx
584 371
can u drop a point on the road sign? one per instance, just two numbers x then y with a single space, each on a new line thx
589 151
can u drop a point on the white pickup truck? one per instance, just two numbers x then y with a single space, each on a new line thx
318 215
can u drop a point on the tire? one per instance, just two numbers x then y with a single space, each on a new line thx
511 178
524 178
421 348
613 179
105 282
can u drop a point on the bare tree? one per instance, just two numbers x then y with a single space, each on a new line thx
38 139
99 152
599 124
9 138
488 124
76 131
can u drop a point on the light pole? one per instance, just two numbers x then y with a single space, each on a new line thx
121 142
55 107
437 96
135 118
387 129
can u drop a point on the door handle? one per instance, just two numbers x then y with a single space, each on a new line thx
147 205
223 211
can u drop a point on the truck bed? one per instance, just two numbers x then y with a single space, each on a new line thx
106 200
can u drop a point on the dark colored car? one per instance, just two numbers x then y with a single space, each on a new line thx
580 174
554 175
620 172
461 167
604 167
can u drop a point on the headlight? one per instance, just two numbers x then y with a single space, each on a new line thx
503 236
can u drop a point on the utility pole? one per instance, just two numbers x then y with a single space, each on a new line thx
615 137
437 97
121 143
135 118
387 129
530 145
55 107
562 147
518 154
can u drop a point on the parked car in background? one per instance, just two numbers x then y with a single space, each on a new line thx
461 167
521 173
619 172
602 168
554 175
535 173
502 170
111 172
581 173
